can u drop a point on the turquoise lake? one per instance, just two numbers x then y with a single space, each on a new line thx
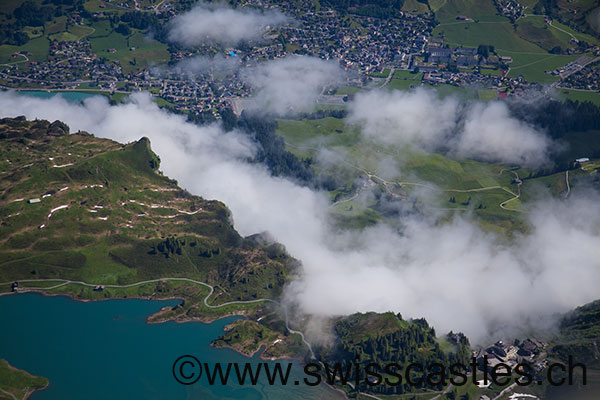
75 97
106 350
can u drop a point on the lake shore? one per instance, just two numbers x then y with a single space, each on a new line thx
130 338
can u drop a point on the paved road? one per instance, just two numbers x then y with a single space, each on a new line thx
562 30
389 77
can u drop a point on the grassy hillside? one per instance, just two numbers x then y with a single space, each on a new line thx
580 334
581 15
270 334
580 339
16 383
448 10
535 30
81 208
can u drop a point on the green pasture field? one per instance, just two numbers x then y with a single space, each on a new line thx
146 51
579 95
37 47
448 10
18 382
347 90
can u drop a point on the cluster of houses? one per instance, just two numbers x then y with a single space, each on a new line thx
511 9
588 78
157 6
366 44
529 351
362 45
69 64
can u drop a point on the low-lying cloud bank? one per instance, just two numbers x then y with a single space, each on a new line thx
291 84
455 275
484 131
219 23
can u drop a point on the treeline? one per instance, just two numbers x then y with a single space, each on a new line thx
387 338
319 114
27 14
34 14
558 167
145 21
272 151
368 8
142 21
31 14
558 119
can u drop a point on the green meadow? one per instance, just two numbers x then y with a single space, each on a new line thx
529 59
448 10
579 95
18 383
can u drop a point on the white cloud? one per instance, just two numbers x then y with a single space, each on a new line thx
401 117
484 131
291 84
490 133
217 22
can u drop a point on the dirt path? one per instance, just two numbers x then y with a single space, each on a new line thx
389 77
87 34
9 394
18 62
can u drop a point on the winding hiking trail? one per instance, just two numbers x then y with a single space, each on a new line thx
386 183
64 282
